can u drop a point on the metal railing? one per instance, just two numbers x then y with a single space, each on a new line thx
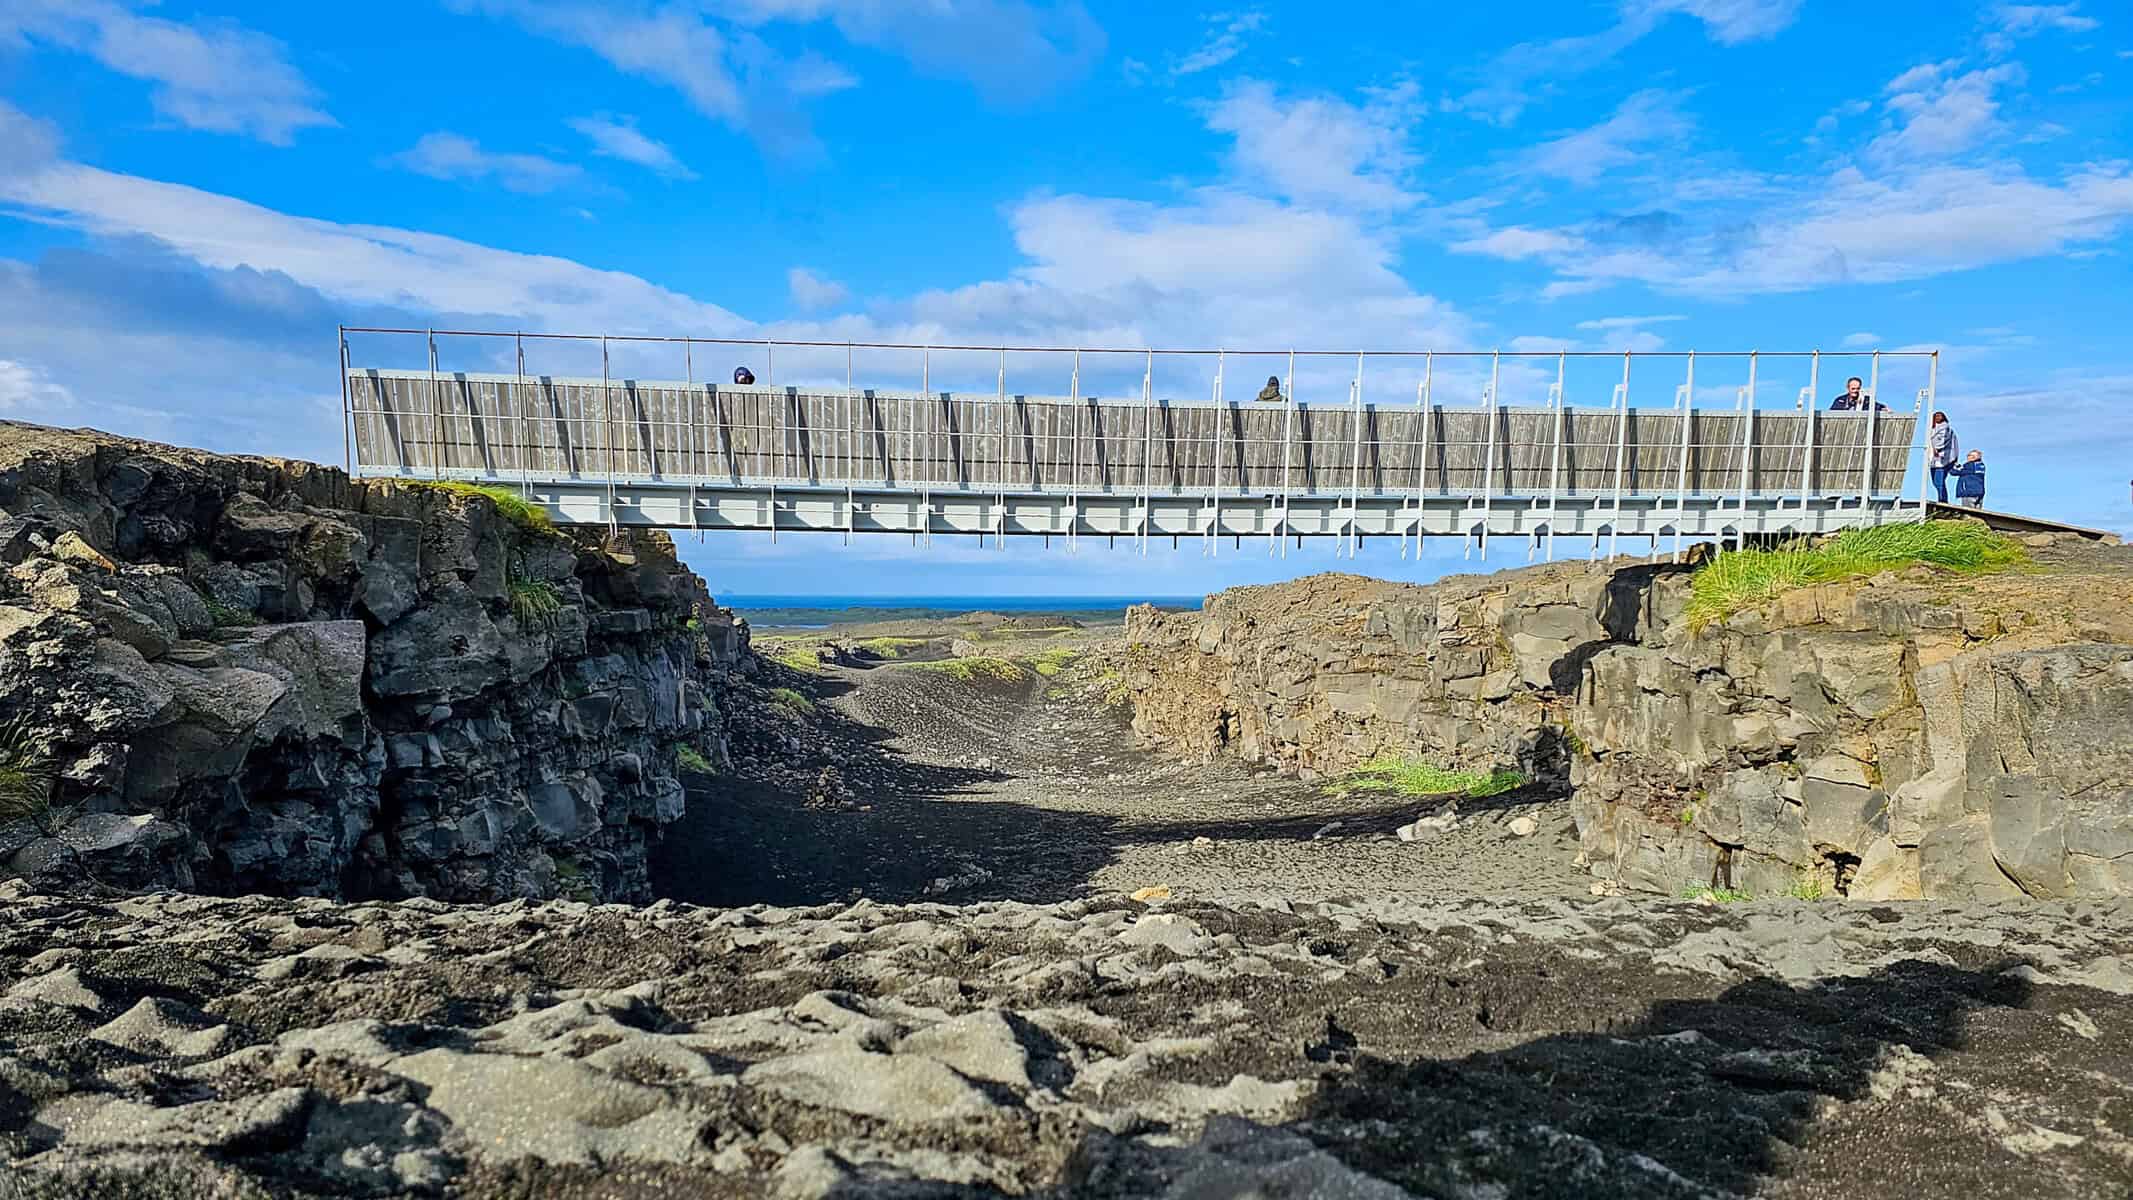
513 426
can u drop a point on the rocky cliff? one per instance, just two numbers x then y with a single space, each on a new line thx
254 675
1916 734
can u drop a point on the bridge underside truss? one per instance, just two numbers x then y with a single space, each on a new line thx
718 456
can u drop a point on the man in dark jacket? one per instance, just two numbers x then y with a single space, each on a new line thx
1854 398
1970 481
743 376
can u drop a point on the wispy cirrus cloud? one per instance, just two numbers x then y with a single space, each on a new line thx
215 76
619 138
443 155
1226 38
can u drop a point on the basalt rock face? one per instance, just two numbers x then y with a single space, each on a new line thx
1914 735
1322 673
254 675
1918 734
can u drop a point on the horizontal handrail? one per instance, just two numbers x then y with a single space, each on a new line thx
691 339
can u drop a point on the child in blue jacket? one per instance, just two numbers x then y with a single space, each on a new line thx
1970 481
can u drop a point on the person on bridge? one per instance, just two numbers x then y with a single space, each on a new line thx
1271 393
1970 481
1854 399
743 376
1942 453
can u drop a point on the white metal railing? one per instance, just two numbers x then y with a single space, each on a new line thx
959 441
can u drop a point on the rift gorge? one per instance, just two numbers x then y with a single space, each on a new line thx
391 837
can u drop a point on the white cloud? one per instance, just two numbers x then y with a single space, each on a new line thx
1727 22
2020 20
1518 242
1647 119
452 156
1611 324
1320 148
26 143
25 390
222 78
1939 113
812 291
1914 223
363 264
1011 50
620 138
1861 341
1224 42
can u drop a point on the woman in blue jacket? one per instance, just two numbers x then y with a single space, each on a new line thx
1970 481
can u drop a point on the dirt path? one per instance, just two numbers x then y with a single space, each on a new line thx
977 789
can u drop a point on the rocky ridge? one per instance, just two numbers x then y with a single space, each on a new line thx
1915 734
246 674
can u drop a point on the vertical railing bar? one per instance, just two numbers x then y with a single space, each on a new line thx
1614 517
525 421
1288 444
1873 410
1681 479
1927 400
340 337
1355 455
1814 406
1147 442
436 412
1423 402
607 419
1555 465
1747 445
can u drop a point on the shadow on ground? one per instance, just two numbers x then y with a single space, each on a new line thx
1765 1089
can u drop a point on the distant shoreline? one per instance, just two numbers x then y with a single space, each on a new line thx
794 611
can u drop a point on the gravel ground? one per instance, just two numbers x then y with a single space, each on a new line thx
1033 790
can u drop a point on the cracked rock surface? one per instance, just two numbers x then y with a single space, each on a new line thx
177 1046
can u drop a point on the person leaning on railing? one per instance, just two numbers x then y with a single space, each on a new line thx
1854 399
1271 393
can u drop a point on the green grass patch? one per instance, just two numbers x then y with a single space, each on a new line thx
229 617
1413 777
1115 690
25 778
1051 662
796 657
689 758
535 602
791 701
1722 895
1741 579
514 508
974 669
1806 885
890 647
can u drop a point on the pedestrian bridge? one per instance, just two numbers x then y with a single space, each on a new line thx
854 455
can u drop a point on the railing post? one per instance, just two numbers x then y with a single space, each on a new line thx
1488 469
1614 518
436 411
340 337
1422 405
525 421
1681 479
1747 443
1926 400
1555 461
1147 442
1873 410
607 420
1288 444
1355 457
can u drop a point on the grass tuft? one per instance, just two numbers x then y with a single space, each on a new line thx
790 700
1741 579
1806 885
689 758
535 602
796 657
1413 777
228 616
1722 895
890 647
1051 662
515 508
25 778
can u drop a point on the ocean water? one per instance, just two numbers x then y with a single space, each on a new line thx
819 611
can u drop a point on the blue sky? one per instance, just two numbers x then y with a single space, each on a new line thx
193 195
